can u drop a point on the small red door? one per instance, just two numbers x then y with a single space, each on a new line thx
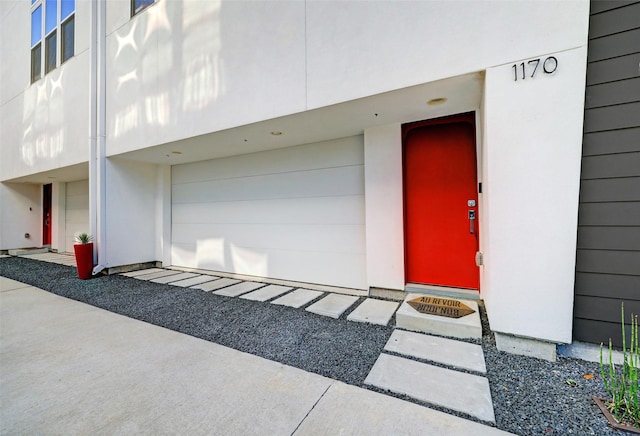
46 214
441 222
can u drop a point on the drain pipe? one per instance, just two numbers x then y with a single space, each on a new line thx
97 135
93 127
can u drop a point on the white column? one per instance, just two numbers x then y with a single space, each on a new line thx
384 206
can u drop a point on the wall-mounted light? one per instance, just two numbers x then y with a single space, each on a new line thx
436 101
276 133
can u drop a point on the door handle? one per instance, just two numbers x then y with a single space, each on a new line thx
472 221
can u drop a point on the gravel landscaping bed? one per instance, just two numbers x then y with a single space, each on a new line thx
530 396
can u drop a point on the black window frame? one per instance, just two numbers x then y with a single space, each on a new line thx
54 48
65 40
36 62
138 6
50 53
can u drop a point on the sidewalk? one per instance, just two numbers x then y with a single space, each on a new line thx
70 368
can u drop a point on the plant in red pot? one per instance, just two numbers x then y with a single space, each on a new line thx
83 249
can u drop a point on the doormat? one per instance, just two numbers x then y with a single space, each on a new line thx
440 307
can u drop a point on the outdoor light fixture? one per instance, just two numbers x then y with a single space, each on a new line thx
436 101
276 133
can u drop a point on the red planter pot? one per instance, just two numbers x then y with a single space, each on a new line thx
84 259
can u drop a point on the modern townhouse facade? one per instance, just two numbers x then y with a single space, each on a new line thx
401 146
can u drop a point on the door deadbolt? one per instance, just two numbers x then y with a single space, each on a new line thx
472 221
471 203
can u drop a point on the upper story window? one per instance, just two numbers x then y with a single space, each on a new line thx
139 5
50 18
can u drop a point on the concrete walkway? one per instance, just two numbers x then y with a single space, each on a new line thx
70 368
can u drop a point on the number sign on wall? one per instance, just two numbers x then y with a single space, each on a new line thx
529 69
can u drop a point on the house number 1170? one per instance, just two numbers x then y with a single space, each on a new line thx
530 68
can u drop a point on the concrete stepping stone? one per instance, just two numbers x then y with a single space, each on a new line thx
454 390
238 289
266 293
446 351
142 272
174 278
333 305
155 275
186 283
297 298
374 311
53 258
216 284
468 326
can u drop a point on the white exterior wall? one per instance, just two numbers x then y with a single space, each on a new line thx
533 140
384 206
130 213
356 48
20 213
186 68
296 213
181 69
43 125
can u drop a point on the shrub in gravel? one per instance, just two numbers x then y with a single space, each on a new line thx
623 386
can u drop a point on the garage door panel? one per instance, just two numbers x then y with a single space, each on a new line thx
347 269
313 183
317 210
329 154
305 223
314 237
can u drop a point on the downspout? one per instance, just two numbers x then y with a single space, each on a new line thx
93 126
97 163
102 137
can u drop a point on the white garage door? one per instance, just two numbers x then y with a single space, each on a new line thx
77 212
295 214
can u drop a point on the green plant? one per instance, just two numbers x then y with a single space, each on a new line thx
83 238
623 386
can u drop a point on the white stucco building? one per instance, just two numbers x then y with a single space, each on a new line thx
271 139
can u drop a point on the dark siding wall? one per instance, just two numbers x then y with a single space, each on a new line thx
608 257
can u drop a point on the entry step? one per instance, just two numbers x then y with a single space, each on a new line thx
453 390
441 350
440 315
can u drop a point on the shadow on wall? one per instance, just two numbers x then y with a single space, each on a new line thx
214 255
43 117
154 49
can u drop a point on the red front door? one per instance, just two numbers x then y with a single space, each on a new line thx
441 222
46 214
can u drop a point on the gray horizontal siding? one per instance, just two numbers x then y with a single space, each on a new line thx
610 70
620 116
611 141
608 190
612 93
599 332
607 5
618 20
612 46
605 309
608 261
608 247
609 238
610 166
609 214
609 285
